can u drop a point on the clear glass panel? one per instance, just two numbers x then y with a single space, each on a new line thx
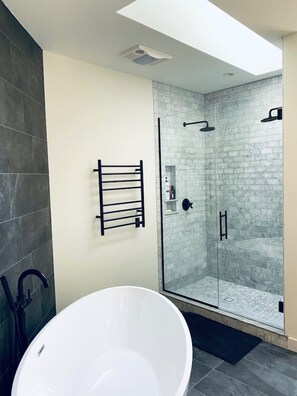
249 188
189 236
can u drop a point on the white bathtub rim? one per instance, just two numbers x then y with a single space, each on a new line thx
189 350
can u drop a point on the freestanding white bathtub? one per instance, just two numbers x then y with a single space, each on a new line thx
122 341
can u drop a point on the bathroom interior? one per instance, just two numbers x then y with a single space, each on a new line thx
217 145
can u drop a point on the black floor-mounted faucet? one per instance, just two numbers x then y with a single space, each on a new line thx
18 307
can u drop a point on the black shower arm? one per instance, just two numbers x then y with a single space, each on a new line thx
195 122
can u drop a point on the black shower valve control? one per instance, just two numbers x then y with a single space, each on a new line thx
186 204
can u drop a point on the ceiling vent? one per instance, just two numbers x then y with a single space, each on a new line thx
145 56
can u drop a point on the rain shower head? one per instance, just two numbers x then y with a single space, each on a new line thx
205 129
278 116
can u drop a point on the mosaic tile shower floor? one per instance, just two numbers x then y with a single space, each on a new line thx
240 300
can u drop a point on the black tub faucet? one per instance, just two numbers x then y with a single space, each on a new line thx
22 300
19 306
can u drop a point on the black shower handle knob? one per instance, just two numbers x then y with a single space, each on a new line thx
186 204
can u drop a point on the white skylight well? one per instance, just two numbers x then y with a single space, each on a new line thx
205 27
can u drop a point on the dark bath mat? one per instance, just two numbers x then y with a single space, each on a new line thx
218 339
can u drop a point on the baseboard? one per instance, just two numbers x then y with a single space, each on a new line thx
292 344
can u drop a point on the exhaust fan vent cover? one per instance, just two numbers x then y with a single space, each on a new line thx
145 56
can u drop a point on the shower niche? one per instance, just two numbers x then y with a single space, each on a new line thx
169 188
234 167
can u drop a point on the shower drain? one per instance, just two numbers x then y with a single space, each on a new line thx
229 299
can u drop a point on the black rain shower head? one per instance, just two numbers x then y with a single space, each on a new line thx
205 129
278 116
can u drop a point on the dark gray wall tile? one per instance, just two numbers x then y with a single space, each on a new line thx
48 296
34 117
11 243
6 344
42 259
31 193
16 33
23 182
34 312
51 314
36 230
5 384
7 183
21 153
11 106
25 75
5 65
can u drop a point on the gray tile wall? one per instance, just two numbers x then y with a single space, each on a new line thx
25 222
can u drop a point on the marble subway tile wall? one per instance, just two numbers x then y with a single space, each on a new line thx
244 170
25 221
184 232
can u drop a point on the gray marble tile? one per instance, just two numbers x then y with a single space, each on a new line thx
5 385
11 106
25 75
48 296
7 183
11 243
5 66
36 230
275 360
34 114
29 153
216 383
260 378
42 259
199 370
34 312
17 34
206 358
31 193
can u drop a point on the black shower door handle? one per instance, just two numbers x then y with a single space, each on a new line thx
225 234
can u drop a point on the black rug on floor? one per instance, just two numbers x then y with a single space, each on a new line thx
218 339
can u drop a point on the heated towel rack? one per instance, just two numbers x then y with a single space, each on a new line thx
120 178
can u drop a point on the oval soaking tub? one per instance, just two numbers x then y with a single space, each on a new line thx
121 341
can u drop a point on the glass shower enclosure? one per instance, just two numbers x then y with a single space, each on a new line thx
221 210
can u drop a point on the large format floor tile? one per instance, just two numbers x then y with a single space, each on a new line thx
266 370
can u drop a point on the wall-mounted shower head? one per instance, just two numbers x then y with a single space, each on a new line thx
278 116
207 128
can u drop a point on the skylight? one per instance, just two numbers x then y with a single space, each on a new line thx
205 27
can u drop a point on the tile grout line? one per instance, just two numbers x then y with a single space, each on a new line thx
23 132
273 371
242 383
24 215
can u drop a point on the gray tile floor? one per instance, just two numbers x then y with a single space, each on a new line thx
266 370
241 300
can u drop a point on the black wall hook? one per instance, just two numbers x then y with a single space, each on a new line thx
186 204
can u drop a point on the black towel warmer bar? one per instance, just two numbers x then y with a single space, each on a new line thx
140 215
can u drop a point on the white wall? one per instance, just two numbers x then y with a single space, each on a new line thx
95 113
290 189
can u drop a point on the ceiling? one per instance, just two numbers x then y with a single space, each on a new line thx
91 31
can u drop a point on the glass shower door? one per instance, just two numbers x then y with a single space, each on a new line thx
249 212
188 229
